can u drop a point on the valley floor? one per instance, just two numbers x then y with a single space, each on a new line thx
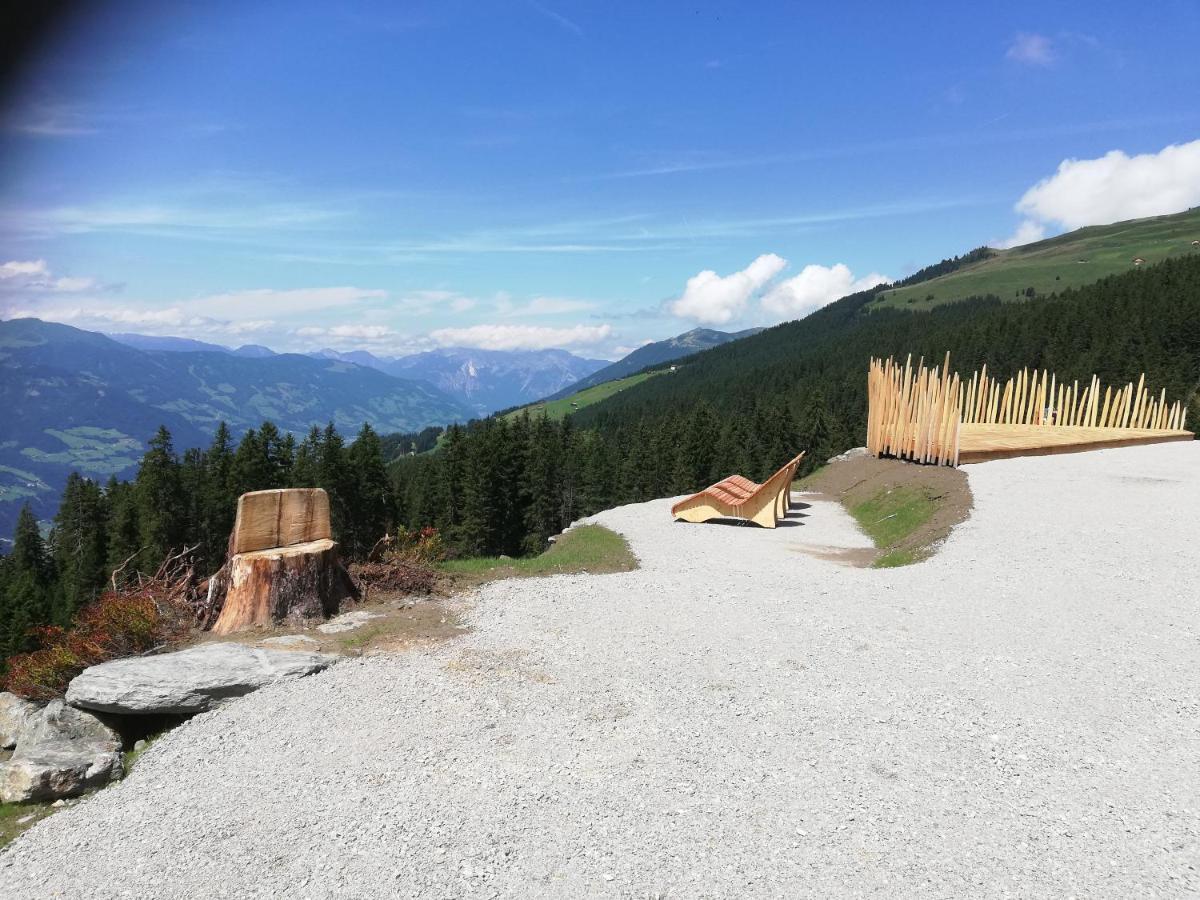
740 717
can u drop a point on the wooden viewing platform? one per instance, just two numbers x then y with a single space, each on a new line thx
933 416
979 443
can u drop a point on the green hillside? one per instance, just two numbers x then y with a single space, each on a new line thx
556 409
1069 260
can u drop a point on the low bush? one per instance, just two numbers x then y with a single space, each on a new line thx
403 562
394 575
115 625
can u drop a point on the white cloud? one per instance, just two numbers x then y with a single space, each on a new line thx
362 332
169 321
542 306
521 337
814 287
714 300
283 302
1116 187
1031 50
34 276
1027 232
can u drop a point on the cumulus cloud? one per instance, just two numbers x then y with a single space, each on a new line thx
712 299
1031 50
814 287
521 337
1027 232
1111 188
34 275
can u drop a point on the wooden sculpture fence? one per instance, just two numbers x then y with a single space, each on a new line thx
924 414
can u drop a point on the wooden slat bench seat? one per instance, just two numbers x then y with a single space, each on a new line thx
736 497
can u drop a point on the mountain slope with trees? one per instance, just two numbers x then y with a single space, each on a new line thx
653 354
504 485
78 401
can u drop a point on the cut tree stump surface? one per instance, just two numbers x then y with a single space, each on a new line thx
280 518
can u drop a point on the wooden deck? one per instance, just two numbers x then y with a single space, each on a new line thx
979 443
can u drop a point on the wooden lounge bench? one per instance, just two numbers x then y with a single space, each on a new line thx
736 497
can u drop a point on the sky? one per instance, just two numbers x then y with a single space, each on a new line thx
587 175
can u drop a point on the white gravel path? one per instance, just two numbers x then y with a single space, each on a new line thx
1019 716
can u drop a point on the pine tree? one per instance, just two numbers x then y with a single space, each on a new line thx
333 475
218 502
159 491
79 546
306 461
372 516
29 580
123 527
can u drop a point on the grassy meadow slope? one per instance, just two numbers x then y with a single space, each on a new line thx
1069 260
556 409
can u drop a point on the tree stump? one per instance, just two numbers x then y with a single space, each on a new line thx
283 564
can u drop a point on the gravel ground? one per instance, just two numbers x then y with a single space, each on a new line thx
1017 716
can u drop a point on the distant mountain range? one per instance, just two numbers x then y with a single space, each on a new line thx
486 380
78 400
654 354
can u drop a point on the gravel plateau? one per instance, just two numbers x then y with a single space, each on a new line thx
1018 716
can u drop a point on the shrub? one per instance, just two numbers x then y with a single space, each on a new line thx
423 546
115 625
403 562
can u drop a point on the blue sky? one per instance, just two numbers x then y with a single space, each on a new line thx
580 174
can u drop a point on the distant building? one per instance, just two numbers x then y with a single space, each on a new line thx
1137 260
1196 244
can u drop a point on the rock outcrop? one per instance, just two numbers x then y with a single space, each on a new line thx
60 752
187 681
14 711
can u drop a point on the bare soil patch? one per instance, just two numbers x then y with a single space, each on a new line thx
862 480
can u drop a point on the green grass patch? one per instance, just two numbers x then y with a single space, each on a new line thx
361 637
588 548
130 757
557 409
17 817
891 516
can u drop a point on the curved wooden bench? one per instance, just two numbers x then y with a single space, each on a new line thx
736 497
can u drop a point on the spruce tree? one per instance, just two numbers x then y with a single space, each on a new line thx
372 513
123 526
159 491
333 475
28 583
79 546
219 500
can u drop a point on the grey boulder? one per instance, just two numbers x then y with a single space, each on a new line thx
14 711
187 681
61 752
